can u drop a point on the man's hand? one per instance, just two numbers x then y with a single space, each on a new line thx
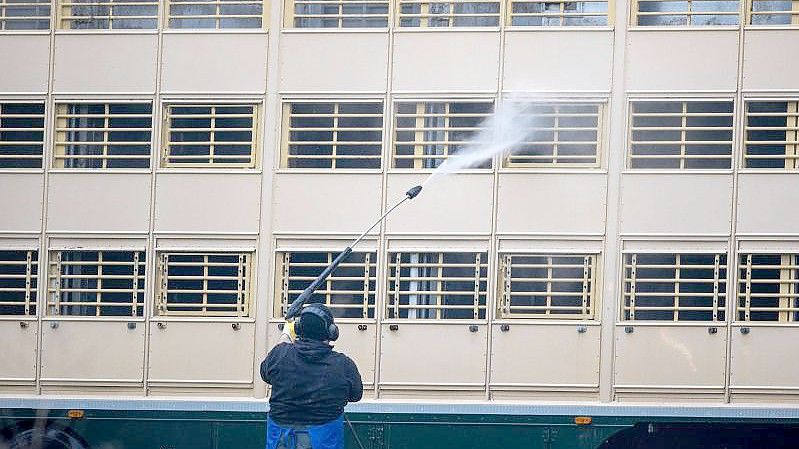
288 335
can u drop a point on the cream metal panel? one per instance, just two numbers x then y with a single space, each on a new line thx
305 202
438 356
109 352
554 356
764 66
22 210
359 345
763 201
573 61
461 61
77 67
662 59
669 357
326 61
18 360
758 361
209 62
196 352
437 208
194 202
98 202
552 246
30 57
551 203
676 203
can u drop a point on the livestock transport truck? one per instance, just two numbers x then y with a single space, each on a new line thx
173 174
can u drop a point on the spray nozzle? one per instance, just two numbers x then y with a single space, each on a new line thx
413 191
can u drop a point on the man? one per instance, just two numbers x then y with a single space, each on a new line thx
311 384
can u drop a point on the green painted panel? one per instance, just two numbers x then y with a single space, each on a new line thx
240 435
460 436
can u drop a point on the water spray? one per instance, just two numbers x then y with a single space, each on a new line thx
296 305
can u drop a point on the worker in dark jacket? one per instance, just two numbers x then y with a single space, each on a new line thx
311 384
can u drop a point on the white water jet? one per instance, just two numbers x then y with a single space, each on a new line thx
500 133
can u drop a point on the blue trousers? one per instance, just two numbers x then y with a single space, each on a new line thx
329 435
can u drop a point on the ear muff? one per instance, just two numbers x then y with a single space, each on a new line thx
322 313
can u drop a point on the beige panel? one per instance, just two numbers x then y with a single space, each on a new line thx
105 63
106 352
455 203
22 210
325 202
523 244
661 356
193 202
783 246
764 203
432 354
197 352
551 203
98 202
359 345
18 360
676 203
326 61
553 60
765 66
214 62
663 59
454 61
545 355
30 58
759 359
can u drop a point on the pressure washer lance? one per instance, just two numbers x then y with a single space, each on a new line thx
296 305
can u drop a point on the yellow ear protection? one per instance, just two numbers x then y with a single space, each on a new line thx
322 312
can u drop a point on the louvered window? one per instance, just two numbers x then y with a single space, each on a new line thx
215 14
559 134
210 135
349 291
681 135
541 286
19 279
204 284
768 288
437 285
108 14
103 135
21 135
771 135
542 13
96 283
674 287
24 15
774 12
426 133
333 135
337 14
690 13
458 13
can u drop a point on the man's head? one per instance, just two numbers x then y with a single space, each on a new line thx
316 323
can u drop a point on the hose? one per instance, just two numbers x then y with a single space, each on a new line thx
354 433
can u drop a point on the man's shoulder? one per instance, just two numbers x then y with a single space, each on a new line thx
281 348
343 358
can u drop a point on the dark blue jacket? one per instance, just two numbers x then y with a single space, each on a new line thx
311 383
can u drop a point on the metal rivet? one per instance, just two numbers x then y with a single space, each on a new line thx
712 330
280 326
629 329
235 326
582 329
504 327
745 330
54 325
473 328
23 324
362 327
131 326
161 325
393 327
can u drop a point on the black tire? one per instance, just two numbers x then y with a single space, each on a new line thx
47 437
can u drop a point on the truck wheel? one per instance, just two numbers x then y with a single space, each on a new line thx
43 438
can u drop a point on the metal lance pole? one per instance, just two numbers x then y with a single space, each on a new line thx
296 305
